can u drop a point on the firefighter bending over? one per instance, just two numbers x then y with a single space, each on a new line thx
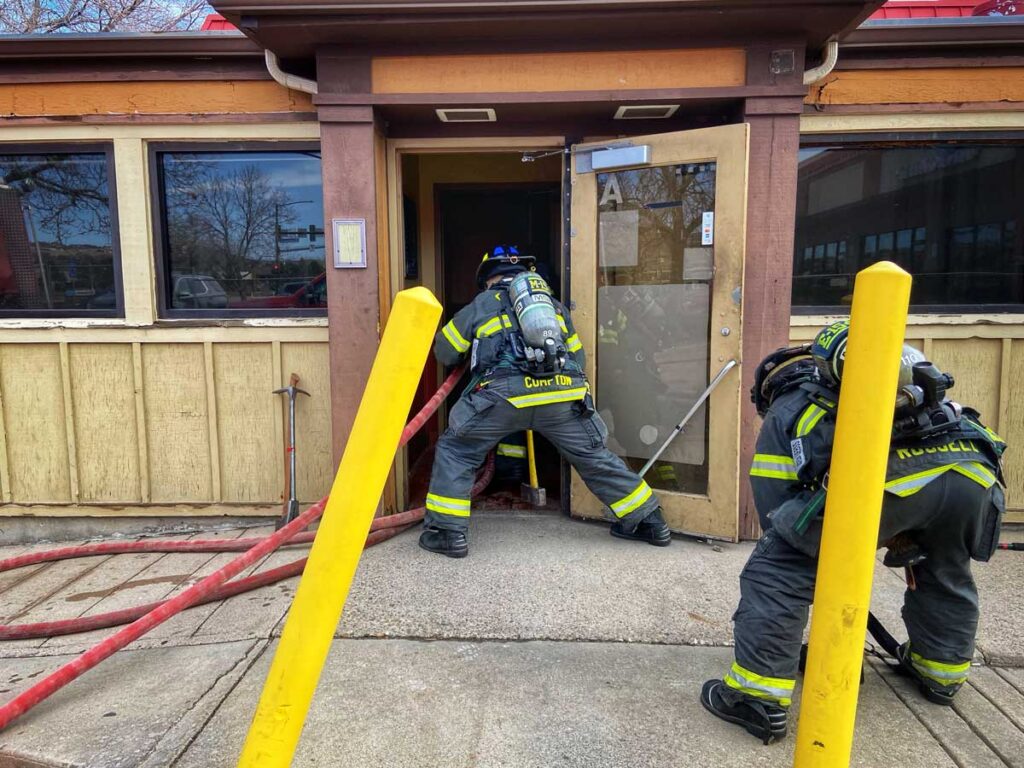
527 366
942 507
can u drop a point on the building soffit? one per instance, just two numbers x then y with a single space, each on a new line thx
296 30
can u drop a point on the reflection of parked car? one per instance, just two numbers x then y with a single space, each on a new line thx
310 295
197 292
287 289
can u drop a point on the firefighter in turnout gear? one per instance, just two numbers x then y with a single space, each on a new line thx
517 385
942 507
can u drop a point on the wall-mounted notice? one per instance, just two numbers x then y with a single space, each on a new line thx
349 243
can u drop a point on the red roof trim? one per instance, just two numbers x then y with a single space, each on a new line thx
925 9
217 23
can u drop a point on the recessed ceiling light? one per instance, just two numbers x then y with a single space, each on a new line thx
478 115
646 112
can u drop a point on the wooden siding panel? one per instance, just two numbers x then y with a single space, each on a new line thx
550 72
312 417
34 417
1013 433
103 397
249 453
177 430
185 98
975 366
921 86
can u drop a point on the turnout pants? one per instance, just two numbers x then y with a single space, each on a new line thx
482 418
953 519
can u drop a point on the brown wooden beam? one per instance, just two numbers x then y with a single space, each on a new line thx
768 272
353 311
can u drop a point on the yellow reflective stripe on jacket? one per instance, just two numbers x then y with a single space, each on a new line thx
512 451
448 506
561 323
911 484
459 344
809 420
939 671
573 343
492 326
977 471
772 688
545 398
634 501
773 466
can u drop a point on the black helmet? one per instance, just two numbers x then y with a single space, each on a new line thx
780 372
501 260
829 352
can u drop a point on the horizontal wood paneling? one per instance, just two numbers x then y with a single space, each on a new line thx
34 422
173 97
975 355
549 72
921 86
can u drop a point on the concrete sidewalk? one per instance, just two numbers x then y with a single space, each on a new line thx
551 644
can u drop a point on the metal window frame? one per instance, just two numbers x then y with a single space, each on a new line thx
161 249
910 139
105 148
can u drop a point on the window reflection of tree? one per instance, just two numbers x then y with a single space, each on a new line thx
64 219
671 201
222 222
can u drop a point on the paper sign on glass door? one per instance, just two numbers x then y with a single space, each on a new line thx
707 228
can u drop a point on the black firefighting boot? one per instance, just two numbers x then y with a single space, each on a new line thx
933 694
444 542
651 529
763 719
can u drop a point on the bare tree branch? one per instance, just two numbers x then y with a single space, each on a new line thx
50 16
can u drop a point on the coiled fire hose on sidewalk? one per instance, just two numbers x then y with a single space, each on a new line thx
214 587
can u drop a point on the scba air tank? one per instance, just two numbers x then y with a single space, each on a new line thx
538 321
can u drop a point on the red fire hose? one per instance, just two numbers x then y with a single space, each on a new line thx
205 589
383 528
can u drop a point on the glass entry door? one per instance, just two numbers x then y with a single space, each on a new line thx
657 243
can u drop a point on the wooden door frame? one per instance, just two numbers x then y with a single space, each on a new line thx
394 279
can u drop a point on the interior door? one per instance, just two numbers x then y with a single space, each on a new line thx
657 243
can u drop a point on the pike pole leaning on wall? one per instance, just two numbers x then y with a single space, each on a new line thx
321 594
853 509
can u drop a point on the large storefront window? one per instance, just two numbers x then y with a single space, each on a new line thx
950 213
57 254
242 231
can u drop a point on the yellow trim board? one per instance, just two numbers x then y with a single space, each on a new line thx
142 510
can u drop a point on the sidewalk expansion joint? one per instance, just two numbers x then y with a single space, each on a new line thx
523 640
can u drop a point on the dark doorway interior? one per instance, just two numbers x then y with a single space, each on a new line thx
470 221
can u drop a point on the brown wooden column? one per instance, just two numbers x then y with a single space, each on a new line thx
349 181
768 275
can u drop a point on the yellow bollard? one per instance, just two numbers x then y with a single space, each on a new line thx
357 488
846 564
